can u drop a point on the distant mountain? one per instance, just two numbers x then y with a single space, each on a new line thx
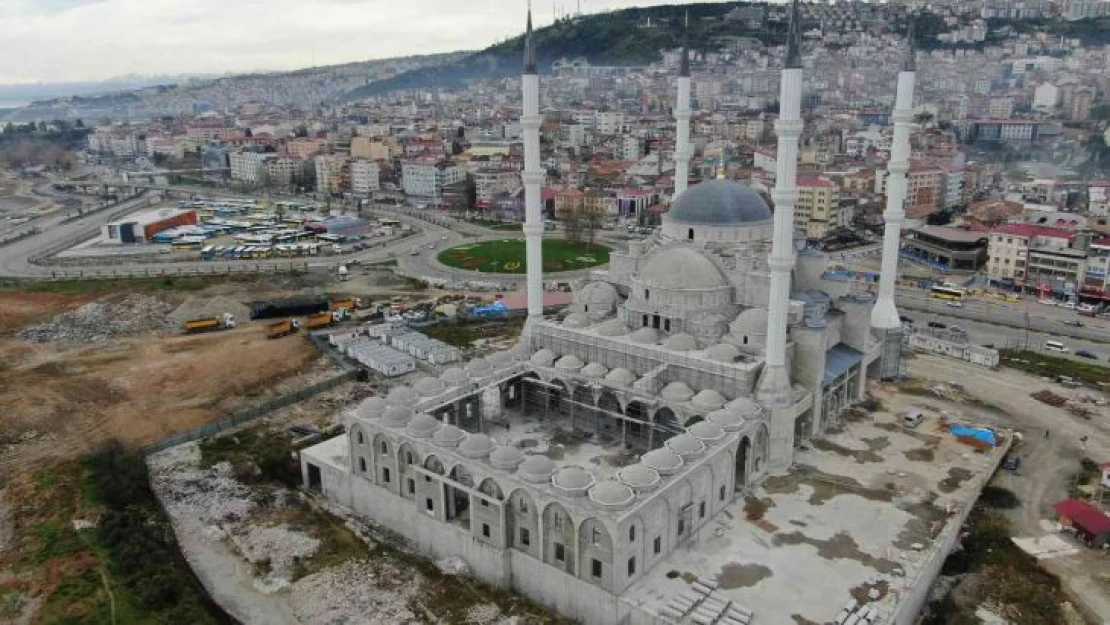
33 92
633 36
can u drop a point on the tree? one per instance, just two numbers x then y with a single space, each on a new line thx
247 132
471 191
78 123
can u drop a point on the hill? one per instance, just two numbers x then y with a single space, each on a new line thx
633 36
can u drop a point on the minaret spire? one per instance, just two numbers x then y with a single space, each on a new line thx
682 152
794 38
909 61
684 68
529 45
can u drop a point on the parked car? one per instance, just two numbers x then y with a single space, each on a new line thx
937 324
1047 302
1083 353
906 320
1011 463
956 329
1075 323
955 304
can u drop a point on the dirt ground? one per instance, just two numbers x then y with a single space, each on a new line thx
1001 398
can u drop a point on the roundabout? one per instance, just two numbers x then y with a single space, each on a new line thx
507 256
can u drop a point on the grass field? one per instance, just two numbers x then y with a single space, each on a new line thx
497 225
507 256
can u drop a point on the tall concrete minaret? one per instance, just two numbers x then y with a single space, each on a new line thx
532 177
682 121
884 316
774 383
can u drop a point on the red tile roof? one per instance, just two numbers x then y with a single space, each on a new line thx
1103 242
1082 514
810 181
1033 230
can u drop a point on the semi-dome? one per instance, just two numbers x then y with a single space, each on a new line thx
429 386
594 371
573 480
536 469
476 445
708 399
611 494
397 416
727 420
662 460
422 426
612 327
685 445
506 458
644 336
745 407
723 352
706 432
597 300
719 203
402 396
681 268
449 436
570 362
621 377
454 376
677 392
371 408
639 477
576 320
478 367
680 342
544 358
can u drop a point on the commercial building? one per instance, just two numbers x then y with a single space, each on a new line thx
1059 271
1096 280
249 166
142 227
1098 200
365 176
285 172
427 176
1009 250
948 249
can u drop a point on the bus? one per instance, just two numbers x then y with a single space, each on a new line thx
948 292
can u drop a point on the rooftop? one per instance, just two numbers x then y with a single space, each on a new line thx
955 235
1032 230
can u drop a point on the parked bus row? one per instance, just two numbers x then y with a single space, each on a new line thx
280 250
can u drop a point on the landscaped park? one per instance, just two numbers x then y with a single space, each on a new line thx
507 256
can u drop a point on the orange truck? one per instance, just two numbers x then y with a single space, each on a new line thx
281 328
208 324
321 320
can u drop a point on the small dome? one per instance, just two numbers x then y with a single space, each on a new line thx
506 458
594 371
611 494
422 426
745 407
500 360
706 432
680 268
536 469
544 358
680 342
612 327
750 324
727 420
570 362
662 460
371 408
597 300
397 416
476 445
723 352
576 320
708 399
449 436
454 376
573 480
621 377
639 477
402 396
685 445
429 387
478 368
644 336
719 203
677 392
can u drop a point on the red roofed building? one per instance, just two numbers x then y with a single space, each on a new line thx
1095 288
1091 525
1010 247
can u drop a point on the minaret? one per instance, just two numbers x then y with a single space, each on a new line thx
884 316
532 177
682 120
774 383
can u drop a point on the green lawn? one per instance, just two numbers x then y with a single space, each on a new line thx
507 256
497 225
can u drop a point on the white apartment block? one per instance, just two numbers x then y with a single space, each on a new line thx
1009 247
609 122
365 176
426 177
116 143
248 167
284 172
490 182
1098 200
1001 108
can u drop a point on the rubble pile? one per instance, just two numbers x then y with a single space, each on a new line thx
279 545
97 322
357 591
212 495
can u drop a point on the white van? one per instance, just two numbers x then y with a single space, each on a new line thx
912 419
1056 346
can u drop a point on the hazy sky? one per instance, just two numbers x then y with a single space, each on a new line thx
66 40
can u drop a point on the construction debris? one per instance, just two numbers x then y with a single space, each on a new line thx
97 322
1048 397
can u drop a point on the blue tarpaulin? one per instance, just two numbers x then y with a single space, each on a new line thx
987 436
496 308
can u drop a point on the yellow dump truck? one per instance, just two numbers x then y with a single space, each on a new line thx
208 324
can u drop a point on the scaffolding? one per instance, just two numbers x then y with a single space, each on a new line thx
892 364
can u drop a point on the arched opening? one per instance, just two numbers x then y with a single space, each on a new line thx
458 500
742 463
558 394
384 462
533 394
690 234
762 443
582 413
666 426
608 416
595 553
559 535
693 420
406 459
523 519
637 431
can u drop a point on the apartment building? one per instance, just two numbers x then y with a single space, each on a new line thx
427 176
249 167
817 210
491 182
284 172
926 188
330 173
373 148
116 142
1096 279
1098 200
1009 248
365 176
305 147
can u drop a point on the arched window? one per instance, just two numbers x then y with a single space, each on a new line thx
360 441
647 294
690 234
745 339
362 464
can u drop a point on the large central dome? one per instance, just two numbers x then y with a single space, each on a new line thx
719 203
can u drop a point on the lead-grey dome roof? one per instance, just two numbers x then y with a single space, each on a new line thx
719 203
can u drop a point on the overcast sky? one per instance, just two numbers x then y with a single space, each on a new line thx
69 40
